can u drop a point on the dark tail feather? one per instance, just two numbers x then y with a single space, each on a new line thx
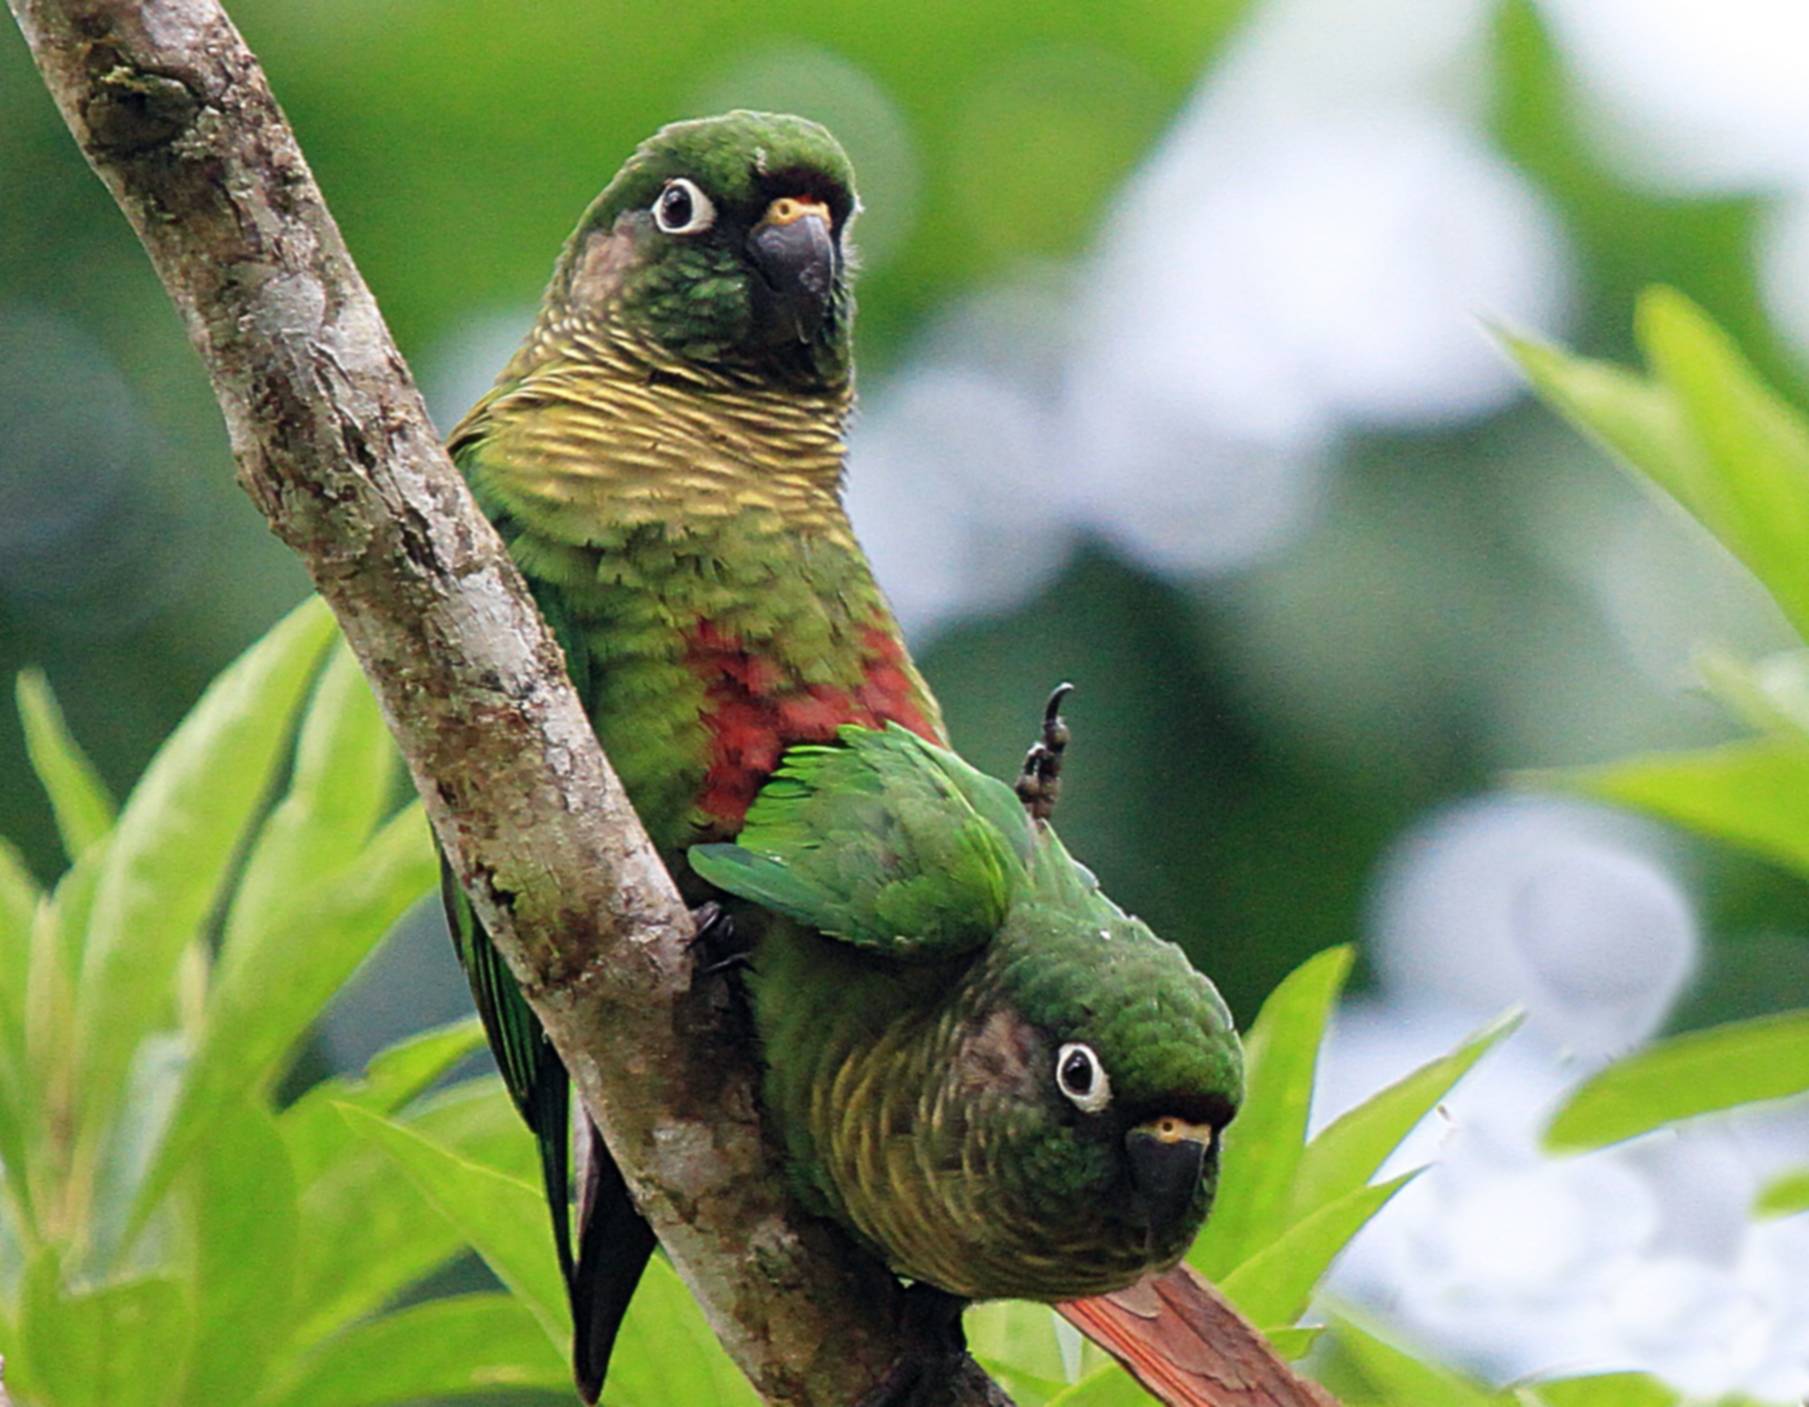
613 1246
613 1241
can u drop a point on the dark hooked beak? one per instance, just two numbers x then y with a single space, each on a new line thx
1168 1157
795 252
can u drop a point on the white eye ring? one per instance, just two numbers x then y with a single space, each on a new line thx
682 209
1080 1076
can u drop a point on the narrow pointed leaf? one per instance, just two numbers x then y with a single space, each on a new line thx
19 898
1785 1195
175 841
1350 1150
78 797
1758 501
118 1345
402 1236
1109 1386
243 1223
1771 694
345 765
1015 1331
1294 1342
1274 1285
1400 1377
1263 1147
132 1139
1638 422
457 1347
1702 1072
19 895
313 1129
502 1218
667 1352
1755 793
263 1004
1606 1390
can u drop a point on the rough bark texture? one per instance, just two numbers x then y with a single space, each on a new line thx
333 443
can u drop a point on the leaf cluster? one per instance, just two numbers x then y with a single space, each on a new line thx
1703 429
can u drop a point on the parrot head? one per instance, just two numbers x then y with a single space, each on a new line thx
1114 1068
723 240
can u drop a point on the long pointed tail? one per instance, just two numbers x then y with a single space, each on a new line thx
613 1245
613 1241
1184 1342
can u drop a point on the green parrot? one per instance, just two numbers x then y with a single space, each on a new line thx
664 457
998 1080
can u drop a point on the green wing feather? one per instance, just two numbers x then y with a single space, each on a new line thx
882 840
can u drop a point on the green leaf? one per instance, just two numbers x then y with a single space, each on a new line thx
1606 1390
1347 1153
132 1139
1639 423
1295 1341
1705 429
117 1345
315 1132
1743 1062
262 1004
1263 1147
1273 1285
1016 1340
1771 694
1757 500
502 1218
345 766
242 1213
1785 1195
1400 1377
402 1236
1109 1386
174 843
78 797
19 896
1753 793
667 1353
464 1345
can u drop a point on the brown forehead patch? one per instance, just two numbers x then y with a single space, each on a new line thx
997 1053
605 258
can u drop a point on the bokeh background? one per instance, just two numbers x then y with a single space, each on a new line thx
1176 383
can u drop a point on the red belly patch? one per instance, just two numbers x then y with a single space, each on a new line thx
756 709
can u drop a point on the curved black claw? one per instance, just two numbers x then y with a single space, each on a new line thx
938 1349
1040 778
717 941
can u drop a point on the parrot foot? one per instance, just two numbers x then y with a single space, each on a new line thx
1040 780
717 942
932 1323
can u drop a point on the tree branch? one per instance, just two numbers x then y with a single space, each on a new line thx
334 445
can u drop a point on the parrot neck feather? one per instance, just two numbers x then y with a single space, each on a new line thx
591 418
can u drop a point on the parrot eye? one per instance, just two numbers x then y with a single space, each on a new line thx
683 209
1082 1078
